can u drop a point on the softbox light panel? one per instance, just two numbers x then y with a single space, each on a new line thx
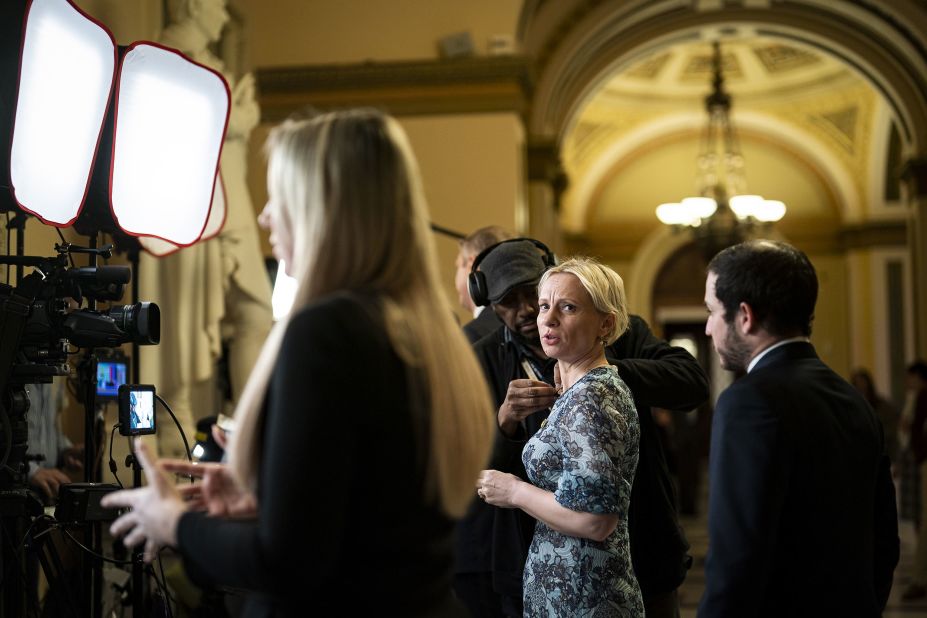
171 116
65 80
217 215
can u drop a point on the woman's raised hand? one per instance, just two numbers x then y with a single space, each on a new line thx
219 494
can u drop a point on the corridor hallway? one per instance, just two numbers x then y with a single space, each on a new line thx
696 529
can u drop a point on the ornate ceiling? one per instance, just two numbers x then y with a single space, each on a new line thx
806 125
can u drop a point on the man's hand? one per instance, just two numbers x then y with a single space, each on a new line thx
49 480
524 398
72 459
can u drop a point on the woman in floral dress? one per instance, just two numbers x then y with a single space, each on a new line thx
582 461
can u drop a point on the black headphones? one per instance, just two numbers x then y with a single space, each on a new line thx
476 281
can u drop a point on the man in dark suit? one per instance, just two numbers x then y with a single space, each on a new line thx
484 322
801 514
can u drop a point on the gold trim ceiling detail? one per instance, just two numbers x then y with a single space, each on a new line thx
839 114
778 58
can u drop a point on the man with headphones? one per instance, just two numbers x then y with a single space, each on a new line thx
493 542
484 320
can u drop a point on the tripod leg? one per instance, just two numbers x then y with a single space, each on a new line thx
56 574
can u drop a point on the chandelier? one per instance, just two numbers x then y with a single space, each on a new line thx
722 213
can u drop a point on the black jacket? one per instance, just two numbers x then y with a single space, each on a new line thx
658 375
343 494
801 516
485 323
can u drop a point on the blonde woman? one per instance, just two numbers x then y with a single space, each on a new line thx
581 462
366 420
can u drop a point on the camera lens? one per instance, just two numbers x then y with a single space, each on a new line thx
141 322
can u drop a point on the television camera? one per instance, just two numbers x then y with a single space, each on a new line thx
42 319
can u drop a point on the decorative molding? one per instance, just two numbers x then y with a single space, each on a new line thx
650 68
614 242
779 58
544 165
874 234
840 125
592 41
698 68
459 86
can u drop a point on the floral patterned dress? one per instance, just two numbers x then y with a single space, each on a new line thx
586 454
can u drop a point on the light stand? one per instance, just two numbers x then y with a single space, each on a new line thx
141 592
18 223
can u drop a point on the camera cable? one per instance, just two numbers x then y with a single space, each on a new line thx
18 550
90 551
112 462
183 436
162 584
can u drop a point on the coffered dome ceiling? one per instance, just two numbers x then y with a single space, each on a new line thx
813 134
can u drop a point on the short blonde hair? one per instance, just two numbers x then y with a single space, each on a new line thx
604 286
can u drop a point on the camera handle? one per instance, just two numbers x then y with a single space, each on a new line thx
105 251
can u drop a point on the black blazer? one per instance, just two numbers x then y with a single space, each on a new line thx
801 515
346 523
483 324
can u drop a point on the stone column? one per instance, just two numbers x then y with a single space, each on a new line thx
547 182
914 179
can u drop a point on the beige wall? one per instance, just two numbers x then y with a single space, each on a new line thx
472 170
128 20
296 32
831 334
472 165
473 173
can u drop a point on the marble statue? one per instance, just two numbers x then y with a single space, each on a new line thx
217 290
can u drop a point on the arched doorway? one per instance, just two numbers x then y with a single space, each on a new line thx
581 49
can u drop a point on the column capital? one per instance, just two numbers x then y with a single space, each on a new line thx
914 177
544 165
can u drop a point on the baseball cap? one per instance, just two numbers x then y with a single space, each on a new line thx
510 265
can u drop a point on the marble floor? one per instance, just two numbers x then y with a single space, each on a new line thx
697 533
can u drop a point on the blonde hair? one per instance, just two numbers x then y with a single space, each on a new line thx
604 286
350 191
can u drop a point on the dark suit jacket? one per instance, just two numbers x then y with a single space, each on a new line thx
801 515
483 324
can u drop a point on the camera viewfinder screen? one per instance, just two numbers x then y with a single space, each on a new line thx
110 376
141 410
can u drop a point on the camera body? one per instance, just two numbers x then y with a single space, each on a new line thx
51 291
41 318
137 410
